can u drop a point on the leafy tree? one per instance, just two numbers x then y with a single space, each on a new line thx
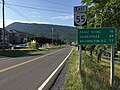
43 40
103 13
99 49
90 48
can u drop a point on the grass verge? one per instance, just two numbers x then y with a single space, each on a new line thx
95 76
23 52
73 81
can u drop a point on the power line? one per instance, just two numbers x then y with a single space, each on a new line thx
57 3
37 8
60 3
26 1
19 13
44 5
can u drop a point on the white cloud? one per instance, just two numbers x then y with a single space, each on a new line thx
64 17
7 22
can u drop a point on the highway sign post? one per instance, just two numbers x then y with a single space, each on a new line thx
79 9
112 82
80 19
94 36
100 36
97 36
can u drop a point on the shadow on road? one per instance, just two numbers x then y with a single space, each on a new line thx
20 53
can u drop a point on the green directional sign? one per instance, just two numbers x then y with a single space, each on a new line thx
97 36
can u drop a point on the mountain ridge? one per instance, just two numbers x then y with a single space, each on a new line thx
59 31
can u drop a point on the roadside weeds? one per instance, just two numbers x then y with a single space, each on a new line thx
95 76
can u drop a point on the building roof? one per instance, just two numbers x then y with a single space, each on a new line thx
13 31
5 30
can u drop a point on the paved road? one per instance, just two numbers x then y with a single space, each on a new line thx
28 73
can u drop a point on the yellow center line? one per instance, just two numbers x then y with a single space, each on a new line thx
20 64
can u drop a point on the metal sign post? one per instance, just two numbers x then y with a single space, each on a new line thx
97 36
80 19
80 59
112 68
100 36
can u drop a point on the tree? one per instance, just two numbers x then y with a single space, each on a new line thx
90 48
99 49
103 13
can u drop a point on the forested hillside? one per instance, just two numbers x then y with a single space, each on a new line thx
59 32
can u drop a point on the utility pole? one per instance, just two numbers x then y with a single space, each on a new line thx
52 35
3 25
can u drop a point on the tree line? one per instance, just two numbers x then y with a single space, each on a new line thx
44 40
102 13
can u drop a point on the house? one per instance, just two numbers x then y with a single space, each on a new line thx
0 34
6 36
14 36
17 37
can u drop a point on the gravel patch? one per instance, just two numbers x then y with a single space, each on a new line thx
58 84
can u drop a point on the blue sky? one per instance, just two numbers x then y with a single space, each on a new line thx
40 11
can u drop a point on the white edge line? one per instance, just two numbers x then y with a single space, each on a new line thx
49 78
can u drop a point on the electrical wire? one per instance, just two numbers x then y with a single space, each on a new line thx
26 1
57 3
81 4
18 12
23 6
44 5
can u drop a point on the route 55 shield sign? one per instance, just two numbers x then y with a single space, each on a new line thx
80 19
80 16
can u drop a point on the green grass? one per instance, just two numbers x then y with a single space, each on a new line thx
73 81
95 76
23 52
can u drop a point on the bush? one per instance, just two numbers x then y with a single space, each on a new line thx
35 45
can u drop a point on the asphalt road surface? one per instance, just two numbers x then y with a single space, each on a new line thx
29 73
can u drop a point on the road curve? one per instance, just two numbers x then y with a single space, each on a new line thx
28 73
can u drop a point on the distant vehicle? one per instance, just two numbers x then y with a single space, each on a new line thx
22 45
